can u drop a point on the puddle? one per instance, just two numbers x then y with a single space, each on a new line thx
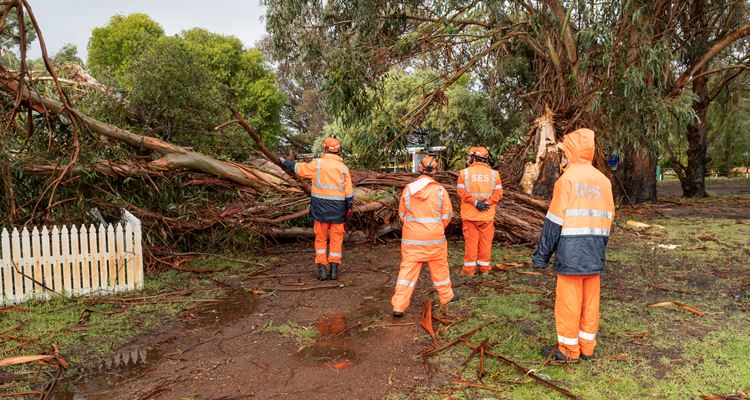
231 309
333 325
329 355
131 361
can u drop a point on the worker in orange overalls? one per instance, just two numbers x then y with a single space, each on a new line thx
330 206
479 188
425 210
577 230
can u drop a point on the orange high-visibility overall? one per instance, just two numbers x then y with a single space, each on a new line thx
332 195
425 210
478 182
577 229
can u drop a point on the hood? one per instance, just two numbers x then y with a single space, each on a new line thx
579 146
416 188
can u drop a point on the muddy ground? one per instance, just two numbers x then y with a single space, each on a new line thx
327 343
283 335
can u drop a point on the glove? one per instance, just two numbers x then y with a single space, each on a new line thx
481 205
535 264
348 215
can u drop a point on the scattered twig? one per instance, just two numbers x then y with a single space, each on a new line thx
525 371
678 304
335 286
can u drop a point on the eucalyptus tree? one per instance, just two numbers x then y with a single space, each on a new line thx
607 65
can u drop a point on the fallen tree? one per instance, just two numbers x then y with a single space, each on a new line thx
518 217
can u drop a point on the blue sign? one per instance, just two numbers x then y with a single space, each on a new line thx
613 160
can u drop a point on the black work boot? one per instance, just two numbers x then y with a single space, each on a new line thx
398 314
455 297
586 358
322 274
556 354
333 274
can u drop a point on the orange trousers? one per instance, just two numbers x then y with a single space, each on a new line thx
408 275
478 237
577 314
322 231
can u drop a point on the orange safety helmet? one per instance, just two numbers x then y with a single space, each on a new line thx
479 151
428 165
332 145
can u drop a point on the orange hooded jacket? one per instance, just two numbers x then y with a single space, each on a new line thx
580 215
425 210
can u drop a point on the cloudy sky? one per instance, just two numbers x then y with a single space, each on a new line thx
71 21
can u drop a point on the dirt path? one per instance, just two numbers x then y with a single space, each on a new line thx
255 346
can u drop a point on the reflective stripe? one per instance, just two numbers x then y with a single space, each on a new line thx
407 200
320 251
481 195
588 213
403 282
402 215
423 242
422 220
554 218
317 172
584 231
586 335
498 187
332 254
443 282
466 180
440 202
447 216
325 197
296 168
320 186
483 263
461 185
492 184
567 340
470 264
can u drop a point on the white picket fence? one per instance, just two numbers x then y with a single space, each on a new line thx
71 261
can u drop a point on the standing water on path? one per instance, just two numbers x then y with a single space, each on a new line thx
133 360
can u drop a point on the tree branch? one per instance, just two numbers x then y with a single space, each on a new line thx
270 156
720 45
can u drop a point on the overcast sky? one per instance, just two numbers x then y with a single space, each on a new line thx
71 21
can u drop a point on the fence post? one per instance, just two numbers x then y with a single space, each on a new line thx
7 269
25 266
112 257
137 248
104 271
15 240
85 261
57 269
94 257
36 261
75 256
65 269
46 260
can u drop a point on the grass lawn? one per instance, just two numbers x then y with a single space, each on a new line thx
643 352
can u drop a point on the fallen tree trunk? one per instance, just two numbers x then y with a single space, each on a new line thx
277 200
173 156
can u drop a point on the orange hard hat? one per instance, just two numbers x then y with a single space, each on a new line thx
479 151
428 164
332 145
